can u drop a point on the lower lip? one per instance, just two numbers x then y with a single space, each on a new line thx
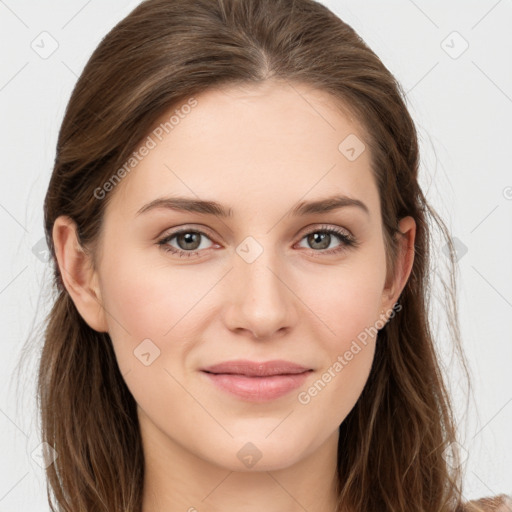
258 389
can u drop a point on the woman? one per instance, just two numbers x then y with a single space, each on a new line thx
241 252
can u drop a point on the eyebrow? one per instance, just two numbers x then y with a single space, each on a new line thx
213 208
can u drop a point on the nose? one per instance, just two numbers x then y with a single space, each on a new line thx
261 301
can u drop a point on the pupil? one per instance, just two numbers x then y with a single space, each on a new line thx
321 238
190 239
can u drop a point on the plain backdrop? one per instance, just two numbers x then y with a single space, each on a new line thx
453 60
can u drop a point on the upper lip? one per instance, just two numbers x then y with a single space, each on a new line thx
256 369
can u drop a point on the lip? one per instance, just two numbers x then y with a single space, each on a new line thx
257 382
256 369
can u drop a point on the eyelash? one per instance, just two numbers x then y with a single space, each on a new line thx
347 241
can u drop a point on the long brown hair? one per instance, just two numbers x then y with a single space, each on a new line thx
397 447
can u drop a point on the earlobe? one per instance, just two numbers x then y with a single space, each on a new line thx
78 274
404 263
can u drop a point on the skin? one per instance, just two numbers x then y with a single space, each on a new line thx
258 150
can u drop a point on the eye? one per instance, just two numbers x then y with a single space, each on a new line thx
188 240
320 239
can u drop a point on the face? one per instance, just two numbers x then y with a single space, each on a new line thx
184 289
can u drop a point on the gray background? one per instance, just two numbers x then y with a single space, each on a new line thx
461 100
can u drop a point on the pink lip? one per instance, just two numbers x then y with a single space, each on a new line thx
257 382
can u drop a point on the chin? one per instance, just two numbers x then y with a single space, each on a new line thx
255 453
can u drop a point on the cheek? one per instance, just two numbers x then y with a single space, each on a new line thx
149 302
349 309
346 298
147 297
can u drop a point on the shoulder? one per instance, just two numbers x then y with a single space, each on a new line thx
500 503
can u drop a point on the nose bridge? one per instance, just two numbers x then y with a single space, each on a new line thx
256 267
261 301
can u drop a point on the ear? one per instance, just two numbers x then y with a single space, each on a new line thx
405 259
78 275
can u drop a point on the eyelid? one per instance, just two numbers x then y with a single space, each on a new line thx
185 228
320 227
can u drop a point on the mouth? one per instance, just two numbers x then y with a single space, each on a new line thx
256 369
257 388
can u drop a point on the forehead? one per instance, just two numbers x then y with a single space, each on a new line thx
258 146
